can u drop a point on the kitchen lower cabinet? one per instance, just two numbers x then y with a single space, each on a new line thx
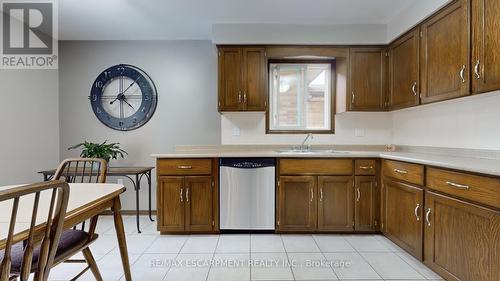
462 240
366 203
335 203
186 204
296 203
402 206
171 200
198 204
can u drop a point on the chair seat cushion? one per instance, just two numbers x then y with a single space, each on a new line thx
70 239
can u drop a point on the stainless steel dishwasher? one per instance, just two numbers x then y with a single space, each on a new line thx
247 193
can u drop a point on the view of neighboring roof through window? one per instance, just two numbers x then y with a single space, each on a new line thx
300 96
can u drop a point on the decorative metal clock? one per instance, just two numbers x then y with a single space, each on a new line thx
123 97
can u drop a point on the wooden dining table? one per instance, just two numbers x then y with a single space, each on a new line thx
86 200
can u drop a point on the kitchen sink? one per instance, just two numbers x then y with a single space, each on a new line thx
311 151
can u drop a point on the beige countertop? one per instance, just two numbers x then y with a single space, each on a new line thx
471 164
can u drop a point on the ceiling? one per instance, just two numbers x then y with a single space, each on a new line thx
193 19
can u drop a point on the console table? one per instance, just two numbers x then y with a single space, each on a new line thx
134 174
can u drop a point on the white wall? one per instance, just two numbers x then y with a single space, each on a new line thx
376 126
336 34
185 75
471 122
29 137
412 15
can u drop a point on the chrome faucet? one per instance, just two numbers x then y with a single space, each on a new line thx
303 145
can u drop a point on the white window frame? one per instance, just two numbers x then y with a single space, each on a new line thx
301 125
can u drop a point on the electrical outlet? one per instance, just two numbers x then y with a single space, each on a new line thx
359 132
236 131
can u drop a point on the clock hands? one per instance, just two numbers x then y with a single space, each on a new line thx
128 104
121 96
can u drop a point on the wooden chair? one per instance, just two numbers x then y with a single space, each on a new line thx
81 170
33 250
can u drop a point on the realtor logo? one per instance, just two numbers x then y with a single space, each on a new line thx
28 37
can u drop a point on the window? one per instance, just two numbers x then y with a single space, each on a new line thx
300 97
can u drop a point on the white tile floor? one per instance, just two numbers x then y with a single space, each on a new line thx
247 257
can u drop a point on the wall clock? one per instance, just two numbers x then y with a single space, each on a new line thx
123 97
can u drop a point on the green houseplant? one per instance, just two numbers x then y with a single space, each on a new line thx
106 151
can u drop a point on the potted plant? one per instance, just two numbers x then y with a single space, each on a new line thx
106 151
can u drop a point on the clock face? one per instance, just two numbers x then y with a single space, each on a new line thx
123 97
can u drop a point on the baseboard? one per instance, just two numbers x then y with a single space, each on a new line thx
129 213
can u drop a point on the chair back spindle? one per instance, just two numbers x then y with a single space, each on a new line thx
82 170
44 235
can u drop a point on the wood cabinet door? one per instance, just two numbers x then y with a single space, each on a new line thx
365 205
254 79
444 54
199 202
403 204
485 46
171 201
462 240
404 71
335 203
230 80
297 203
366 75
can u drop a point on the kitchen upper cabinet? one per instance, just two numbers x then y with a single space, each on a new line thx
462 240
254 79
365 205
198 203
485 45
444 54
230 80
335 203
404 71
297 203
242 79
402 206
366 79
171 199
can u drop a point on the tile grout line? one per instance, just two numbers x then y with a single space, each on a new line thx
287 256
323 254
176 256
369 264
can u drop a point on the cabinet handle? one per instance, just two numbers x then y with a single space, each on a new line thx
365 167
476 70
459 186
239 97
321 195
312 195
414 88
184 167
400 171
462 73
358 194
244 96
187 194
427 216
416 212
181 195
353 97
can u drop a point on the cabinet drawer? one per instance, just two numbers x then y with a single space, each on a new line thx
480 189
315 167
184 166
365 167
412 173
